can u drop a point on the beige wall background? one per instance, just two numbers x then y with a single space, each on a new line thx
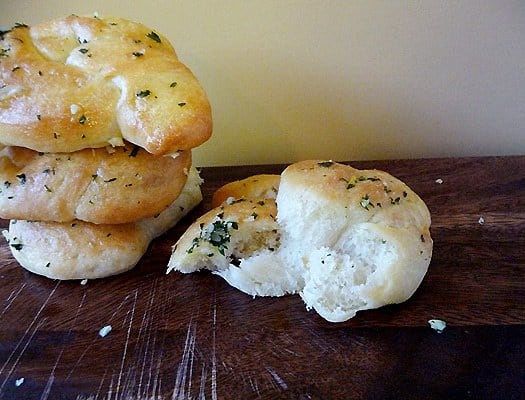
342 80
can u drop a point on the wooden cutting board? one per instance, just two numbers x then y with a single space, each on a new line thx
194 337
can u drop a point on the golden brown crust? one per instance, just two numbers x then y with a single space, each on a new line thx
80 82
109 186
360 195
51 248
263 186
82 250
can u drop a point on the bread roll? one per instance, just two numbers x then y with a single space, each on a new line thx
81 250
102 186
349 240
79 82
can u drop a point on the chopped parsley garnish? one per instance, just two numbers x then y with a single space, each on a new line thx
395 201
83 50
144 93
326 164
82 120
22 178
137 54
181 104
217 234
173 84
153 36
3 52
110 180
48 189
17 246
369 178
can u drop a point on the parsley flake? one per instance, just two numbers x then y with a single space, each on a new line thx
17 246
154 36
22 178
395 201
143 93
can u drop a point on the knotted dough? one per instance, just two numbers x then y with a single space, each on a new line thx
102 186
79 82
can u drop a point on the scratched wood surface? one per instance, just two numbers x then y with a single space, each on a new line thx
194 337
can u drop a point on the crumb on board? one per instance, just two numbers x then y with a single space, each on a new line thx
83 281
104 330
439 181
481 220
437 324
19 382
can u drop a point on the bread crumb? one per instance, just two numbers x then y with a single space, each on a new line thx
481 220
439 181
19 382
104 331
437 324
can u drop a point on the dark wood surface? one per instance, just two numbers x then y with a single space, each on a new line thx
194 337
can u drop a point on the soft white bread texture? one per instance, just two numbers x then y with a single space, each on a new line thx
102 186
348 240
82 82
82 250
238 241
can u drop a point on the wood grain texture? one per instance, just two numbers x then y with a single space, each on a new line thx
194 337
